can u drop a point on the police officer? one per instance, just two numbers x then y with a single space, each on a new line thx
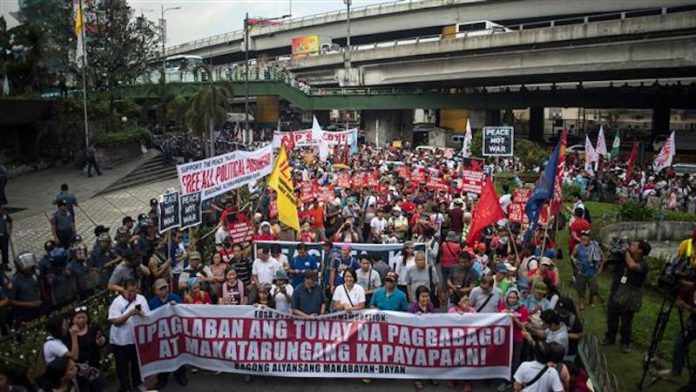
123 238
5 233
62 225
91 161
24 294
69 199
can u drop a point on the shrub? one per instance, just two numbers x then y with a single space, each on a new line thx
680 216
636 211
530 153
569 190
127 136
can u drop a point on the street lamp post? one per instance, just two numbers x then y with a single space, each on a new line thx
163 28
346 53
246 74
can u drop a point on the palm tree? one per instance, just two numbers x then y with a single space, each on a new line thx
207 107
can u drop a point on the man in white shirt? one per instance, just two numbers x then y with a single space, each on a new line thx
505 199
264 268
534 376
377 226
220 235
368 278
121 337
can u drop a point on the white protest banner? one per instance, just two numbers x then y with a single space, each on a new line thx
303 138
222 173
364 344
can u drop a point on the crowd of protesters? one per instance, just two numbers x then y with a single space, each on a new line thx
501 271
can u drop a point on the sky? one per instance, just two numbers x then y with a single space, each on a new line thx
202 18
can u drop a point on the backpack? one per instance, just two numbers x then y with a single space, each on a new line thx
37 367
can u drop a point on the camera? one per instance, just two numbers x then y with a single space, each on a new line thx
138 307
673 272
617 252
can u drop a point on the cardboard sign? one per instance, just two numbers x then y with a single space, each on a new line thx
168 210
517 214
498 141
521 195
472 175
190 210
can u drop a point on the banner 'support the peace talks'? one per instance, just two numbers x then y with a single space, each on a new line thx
365 344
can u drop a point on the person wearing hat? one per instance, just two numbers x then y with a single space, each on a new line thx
687 249
308 300
537 302
164 296
69 198
587 260
195 295
63 225
24 295
500 279
400 223
281 292
389 297
85 275
196 269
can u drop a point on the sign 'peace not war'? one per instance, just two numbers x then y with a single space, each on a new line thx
498 141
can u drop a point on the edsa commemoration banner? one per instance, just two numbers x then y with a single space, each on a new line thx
367 344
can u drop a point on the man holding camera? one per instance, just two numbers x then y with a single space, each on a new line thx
628 297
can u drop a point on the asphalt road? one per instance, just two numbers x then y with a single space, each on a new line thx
206 382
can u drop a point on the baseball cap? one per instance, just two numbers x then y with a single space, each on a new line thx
546 261
104 237
502 268
100 229
161 282
392 276
194 256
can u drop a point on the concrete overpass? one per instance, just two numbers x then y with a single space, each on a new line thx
403 19
640 47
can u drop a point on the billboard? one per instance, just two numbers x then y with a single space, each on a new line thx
303 46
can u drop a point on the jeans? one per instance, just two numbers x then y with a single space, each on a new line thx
5 248
444 272
681 345
127 369
616 313
92 163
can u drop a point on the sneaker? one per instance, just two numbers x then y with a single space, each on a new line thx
607 342
625 348
367 380
504 387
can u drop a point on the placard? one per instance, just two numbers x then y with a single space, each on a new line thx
521 195
168 211
191 210
498 141
472 175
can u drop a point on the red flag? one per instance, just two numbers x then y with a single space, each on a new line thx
631 161
557 200
487 212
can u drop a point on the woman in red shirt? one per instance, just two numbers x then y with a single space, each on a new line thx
513 306
449 256
195 295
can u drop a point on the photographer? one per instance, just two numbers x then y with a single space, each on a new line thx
686 249
685 303
628 297
346 233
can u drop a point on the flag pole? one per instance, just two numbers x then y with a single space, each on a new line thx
84 74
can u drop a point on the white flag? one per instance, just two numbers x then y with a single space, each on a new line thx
80 56
601 143
318 135
590 155
6 87
666 154
466 145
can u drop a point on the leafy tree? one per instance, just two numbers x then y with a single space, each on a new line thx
208 107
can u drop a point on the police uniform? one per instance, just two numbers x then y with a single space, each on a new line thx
70 201
63 222
25 288
5 222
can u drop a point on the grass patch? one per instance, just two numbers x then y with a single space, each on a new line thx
627 367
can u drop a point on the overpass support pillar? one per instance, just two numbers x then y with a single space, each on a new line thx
660 122
267 111
492 117
383 126
323 116
536 124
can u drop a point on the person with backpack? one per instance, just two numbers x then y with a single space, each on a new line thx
587 258
537 375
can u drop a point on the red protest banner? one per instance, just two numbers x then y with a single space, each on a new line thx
436 186
242 231
517 214
364 344
344 180
405 172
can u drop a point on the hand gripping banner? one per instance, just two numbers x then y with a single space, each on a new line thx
366 344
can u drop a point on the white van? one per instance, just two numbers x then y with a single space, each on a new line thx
479 27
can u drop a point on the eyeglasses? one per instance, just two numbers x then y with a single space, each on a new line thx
80 309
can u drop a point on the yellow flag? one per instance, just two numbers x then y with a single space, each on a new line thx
281 182
80 57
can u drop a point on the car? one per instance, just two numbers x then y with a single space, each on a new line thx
684 168
576 148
